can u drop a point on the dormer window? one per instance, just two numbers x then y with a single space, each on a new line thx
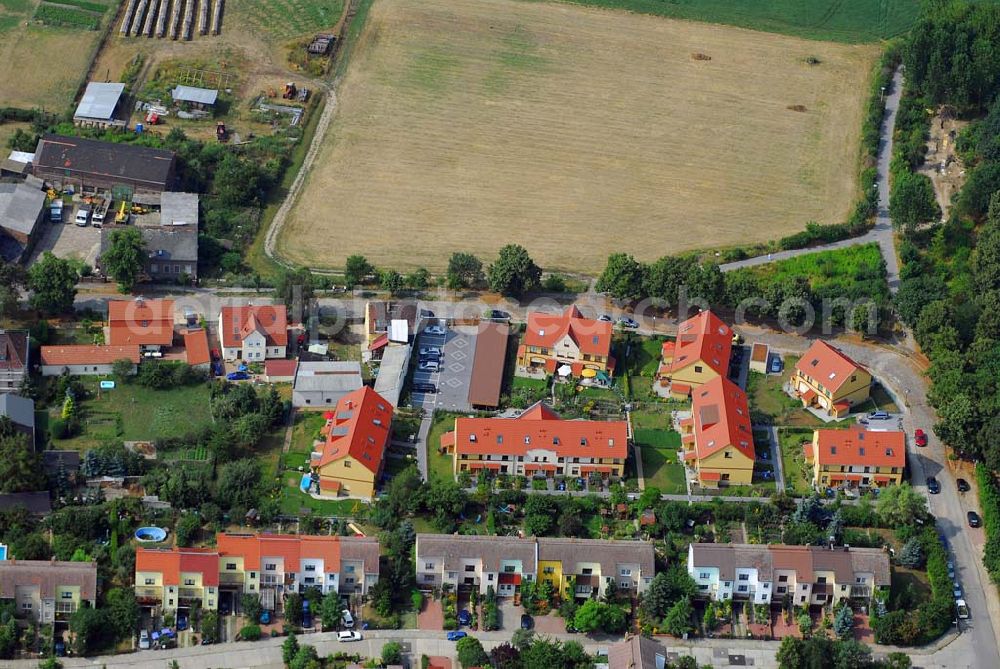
499 438
472 438
527 439
583 441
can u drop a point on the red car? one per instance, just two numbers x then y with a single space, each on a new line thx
215 354
920 437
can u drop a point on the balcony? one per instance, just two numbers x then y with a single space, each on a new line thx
860 592
148 595
231 578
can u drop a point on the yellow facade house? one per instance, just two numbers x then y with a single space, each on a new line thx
856 458
177 578
717 439
830 381
699 354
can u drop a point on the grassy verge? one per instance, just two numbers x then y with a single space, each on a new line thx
793 463
439 466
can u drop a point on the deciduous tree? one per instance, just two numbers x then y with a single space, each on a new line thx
514 272
52 282
125 257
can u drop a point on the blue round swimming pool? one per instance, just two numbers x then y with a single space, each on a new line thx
150 534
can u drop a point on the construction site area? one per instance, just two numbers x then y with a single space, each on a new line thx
943 165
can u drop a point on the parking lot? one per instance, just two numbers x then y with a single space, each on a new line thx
458 347
67 240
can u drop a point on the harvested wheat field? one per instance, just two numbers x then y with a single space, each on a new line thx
468 124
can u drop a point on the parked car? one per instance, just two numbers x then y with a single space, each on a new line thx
307 616
265 618
951 570
526 622
879 415
776 365
428 388
82 217
974 520
560 485
430 350
464 617
429 366
434 330
237 376
346 636
962 485
605 318
497 315
455 635
933 487
920 437
347 619
224 608
963 609
956 590
59 648
764 455
627 322
182 623
144 640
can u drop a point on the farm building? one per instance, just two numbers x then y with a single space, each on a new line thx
17 164
178 208
171 251
80 360
14 362
22 209
322 384
88 164
320 46
21 412
197 98
100 106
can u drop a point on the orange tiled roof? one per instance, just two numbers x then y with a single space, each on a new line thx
142 322
703 338
84 354
196 347
591 336
269 320
721 418
291 548
361 428
857 446
171 563
280 368
827 365
516 436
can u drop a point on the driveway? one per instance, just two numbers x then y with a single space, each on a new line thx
431 616
66 240
456 370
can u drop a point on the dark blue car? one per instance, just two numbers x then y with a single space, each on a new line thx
464 617
237 376
455 635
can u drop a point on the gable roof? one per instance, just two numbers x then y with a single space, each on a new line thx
141 322
703 338
13 350
83 354
805 561
858 446
171 563
196 347
360 428
637 652
530 430
20 207
827 365
608 553
721 418
99 100
451 549
593 337
57 153
328 376
20 410
269 320
280 368
48 576
361 549
291 548
488 363
177 243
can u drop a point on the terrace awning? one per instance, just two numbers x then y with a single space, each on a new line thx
448 439
710 476
602 470
510 579
484 465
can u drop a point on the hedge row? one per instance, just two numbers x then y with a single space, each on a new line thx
989 500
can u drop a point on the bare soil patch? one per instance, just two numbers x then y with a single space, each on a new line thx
468 124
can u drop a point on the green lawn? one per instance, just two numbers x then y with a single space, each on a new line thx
831 20
439 466
131 412
793 464
651 420
661 466
767 397
294 502
305 431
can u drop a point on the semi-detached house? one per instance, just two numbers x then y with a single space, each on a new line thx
828 380
717 439
856 458
578 568
806 575
538 443
700 353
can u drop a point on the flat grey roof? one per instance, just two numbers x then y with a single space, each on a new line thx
328 376
205 96
178 208
392 372
20 206
99 101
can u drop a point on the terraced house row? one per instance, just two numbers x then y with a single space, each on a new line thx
270 565
574 567
806 575
539 443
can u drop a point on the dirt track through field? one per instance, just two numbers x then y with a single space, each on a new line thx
468 124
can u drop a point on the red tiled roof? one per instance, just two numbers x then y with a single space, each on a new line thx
269 320
196 347
680 389
590 336
379 342
291 548
280 368
531 431
703 338
448 439
807 450
171 563
142 322
84 354
584 469
722 418
857 446
13 349
361 428
808 395
827 365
